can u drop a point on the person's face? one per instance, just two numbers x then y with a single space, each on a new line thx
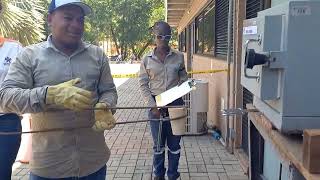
67 25
162 36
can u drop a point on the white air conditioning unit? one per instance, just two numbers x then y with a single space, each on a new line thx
197 109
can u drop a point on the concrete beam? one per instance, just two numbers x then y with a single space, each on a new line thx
176 13
177 6
178 1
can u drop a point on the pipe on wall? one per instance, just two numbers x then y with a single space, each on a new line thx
235 66
230 46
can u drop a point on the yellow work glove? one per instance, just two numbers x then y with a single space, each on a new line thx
104 119
69 96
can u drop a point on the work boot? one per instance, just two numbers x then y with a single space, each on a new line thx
173 178
159 178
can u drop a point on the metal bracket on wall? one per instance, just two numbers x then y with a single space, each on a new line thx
232 133
238 111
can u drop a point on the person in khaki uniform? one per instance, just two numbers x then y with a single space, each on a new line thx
59 81
160 70
9 145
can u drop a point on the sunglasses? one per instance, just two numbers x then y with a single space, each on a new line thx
164 37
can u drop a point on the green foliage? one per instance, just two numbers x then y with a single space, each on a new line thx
158 12
22 20
125 22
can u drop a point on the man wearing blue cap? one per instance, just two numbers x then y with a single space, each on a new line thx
59 82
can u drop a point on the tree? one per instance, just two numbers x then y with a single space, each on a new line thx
125 22
22 20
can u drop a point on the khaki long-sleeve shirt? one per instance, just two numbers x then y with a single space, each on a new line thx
74 153
156 77
8 52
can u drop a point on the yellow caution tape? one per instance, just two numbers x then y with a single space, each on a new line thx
208 71
125 75
135 75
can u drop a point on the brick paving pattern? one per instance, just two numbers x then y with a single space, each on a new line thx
202 158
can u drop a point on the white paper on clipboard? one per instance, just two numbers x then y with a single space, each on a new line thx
174 93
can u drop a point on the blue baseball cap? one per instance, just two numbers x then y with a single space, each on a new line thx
59 3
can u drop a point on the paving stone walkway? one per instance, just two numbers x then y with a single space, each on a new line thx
202 158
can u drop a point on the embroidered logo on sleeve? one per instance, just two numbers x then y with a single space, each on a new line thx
7 61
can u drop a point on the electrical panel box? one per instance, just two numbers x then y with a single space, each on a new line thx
281 64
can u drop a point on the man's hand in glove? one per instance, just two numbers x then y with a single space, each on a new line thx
104 119
69 96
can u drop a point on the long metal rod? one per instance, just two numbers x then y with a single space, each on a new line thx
127 107
137 107
83 127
